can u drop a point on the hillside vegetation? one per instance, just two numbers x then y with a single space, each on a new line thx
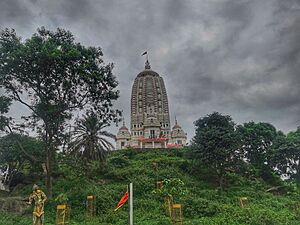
203 202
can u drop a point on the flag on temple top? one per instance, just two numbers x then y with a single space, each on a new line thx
122 201
144 53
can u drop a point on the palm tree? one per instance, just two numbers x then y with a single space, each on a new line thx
89 139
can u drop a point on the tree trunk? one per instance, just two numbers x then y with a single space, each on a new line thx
49 174
221 181
49 165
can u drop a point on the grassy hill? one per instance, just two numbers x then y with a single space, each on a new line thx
203 203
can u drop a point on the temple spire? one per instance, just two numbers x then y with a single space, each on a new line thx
175 120
123 121
147 65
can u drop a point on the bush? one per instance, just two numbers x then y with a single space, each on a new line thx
195 207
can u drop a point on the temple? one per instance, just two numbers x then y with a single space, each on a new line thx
150 119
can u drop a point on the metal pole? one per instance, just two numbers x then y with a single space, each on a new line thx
130 204
128 190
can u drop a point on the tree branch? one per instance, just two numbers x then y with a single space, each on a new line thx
21 147
18 98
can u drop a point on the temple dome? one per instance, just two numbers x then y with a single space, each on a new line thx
148 72
176 126
177 131
123 128
123 132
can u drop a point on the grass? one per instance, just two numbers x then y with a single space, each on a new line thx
204 203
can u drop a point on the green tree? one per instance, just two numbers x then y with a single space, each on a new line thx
12 156
90 139
53 76
7 122
5 103
294 136
286 158
257 141
173 187
216 144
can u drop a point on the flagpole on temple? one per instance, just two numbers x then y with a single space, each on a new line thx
146 53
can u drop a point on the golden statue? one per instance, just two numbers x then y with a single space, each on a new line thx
39 198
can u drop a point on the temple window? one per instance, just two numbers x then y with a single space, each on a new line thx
152 133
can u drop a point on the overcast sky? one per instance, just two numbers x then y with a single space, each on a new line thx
237 57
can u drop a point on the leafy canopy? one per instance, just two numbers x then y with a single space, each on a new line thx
257 141
216 143
90 138
54 76
57 75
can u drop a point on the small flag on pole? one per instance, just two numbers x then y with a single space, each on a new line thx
145 53
122 201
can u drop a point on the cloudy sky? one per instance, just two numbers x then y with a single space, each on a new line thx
237 57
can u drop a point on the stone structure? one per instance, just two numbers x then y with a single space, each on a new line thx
123 137
150 119
178 136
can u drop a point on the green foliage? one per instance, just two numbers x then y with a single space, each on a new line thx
58 76
294 136
195 207
89 140
174 187
120 161
62 198
202 203
257 140
5 103
216 144
286 158
12 156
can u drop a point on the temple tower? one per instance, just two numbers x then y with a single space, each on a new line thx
150 120
149 110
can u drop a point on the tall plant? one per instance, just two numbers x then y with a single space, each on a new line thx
90 139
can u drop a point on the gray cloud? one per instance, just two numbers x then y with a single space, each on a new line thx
238 57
